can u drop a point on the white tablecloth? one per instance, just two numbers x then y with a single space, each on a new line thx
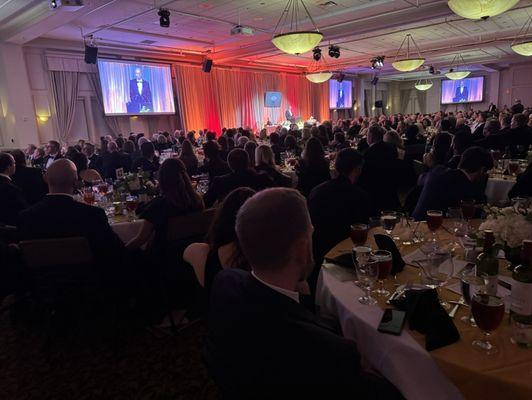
399 358
127 230
497 190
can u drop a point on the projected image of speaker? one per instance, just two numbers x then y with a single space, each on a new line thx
378 104
91 54
207 65
272 99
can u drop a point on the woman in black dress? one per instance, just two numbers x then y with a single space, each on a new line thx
222 250
188 158
177 197
313 168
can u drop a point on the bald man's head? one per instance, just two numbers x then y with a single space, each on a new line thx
61 176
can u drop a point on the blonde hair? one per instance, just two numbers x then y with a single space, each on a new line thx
264 155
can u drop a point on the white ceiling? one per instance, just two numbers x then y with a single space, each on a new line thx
362 28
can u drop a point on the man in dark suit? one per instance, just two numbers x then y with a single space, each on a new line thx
53 152
241 175
519 137
95 161
12 200
139 94
337 204
58 215
112 160
29 179
454 185
340 97
378 176
462 93
214 165
478 133
290 115
262 343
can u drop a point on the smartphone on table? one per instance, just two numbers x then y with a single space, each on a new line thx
392 321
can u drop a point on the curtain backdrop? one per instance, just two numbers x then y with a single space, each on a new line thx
422 101
112 122
405 99
65 87
234 98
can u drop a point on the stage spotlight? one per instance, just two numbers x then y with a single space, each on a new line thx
316 53
164 20
334 51
377 62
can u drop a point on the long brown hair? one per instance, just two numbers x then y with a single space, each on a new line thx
176 187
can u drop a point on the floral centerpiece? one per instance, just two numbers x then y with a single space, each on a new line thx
138 184
511 225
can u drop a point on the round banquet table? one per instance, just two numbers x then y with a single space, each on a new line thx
452 372
125 229
497 189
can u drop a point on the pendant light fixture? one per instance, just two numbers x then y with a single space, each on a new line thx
318 72
522 44
295 41
408 63
453 73
423 84
480 9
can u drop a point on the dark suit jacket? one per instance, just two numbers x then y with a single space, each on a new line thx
95 162
31 181
447 190
46 158
461 97
143 98
523 186
264 345
334 206
221 186
379 177
12 201
478 133
215 167
308 177
60 216
111 162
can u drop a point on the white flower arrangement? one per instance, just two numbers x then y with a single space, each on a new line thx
511 225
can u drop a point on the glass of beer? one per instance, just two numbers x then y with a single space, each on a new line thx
359 234
132 203
434 221
513 167
384 263
388 221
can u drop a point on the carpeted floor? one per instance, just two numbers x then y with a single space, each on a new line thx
147 366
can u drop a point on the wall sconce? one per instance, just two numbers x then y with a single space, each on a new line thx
372 108
356 108
43 118
388 107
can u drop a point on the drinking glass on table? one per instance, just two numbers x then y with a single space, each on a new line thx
459 227
88 195
132 203
513 167
488 312
359 234
388 221
470 285
468 210
439 268
367 272
434 221
384 261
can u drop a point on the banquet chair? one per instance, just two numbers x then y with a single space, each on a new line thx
63 286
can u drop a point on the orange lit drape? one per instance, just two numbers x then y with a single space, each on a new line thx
234 98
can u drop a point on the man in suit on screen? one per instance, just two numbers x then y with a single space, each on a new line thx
139 94
340 99
462 93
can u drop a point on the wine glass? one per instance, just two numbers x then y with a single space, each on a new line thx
468 209
367 272
88 195
388 221
384 260
434 221
132 203
438 270
488 312
470 284
359 234
513 167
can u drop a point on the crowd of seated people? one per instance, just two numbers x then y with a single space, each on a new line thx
266 243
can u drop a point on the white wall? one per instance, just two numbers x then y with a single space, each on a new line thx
516 83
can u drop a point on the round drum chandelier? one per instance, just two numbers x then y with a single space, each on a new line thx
318 72
295 41
522 44
480 9
408 63
423 84
453 73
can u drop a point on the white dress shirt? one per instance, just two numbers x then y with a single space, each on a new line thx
289 293
139 86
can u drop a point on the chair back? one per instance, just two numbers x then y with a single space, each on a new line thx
190 226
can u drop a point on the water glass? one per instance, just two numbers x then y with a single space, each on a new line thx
367 273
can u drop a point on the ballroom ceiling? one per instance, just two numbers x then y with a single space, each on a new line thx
362 28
